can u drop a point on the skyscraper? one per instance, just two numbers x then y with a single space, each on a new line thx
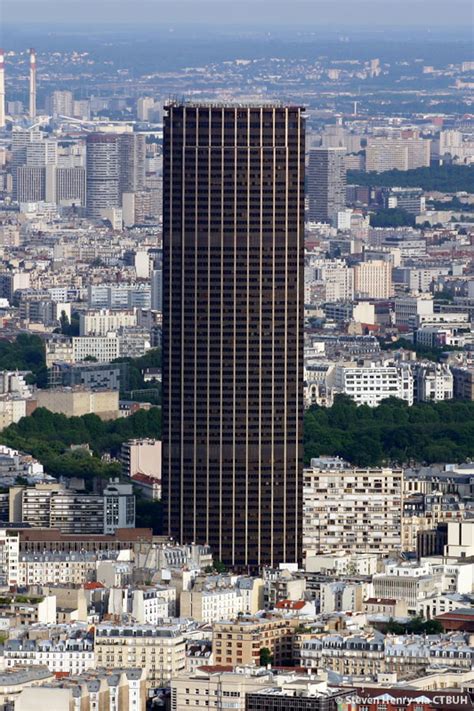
326 183
132 148
103 172
233 232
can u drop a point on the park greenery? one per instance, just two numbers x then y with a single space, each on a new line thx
417 625
442 178
392 433
26 352
392 217
49 436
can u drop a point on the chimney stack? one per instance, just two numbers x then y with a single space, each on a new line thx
32 84
2 89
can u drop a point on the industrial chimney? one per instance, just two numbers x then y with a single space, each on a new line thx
2 88
32 84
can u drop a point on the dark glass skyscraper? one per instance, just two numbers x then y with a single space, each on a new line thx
233 232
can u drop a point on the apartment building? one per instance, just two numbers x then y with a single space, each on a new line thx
373 279
248 688
141 456
54 506
240 642
424 512
217 689
120 689
387 153
72 655
356 510
103 321
55 568
211 605
159 651
348 654
342 563
370 384
301 694
433 382
103 348
151 605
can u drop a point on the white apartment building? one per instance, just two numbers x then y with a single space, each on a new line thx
150 606
355 510
211 605
373 279
343 596
460 539
418 278
160 651
102 348
68 656
102 322
433 382
337 278
372 383
141 456
342 563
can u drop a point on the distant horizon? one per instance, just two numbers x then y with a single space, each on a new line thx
257 14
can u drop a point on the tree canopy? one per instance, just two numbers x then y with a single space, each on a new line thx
26 352
392 433
444 178
392 217
48 437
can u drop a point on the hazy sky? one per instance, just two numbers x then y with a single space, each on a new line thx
258 13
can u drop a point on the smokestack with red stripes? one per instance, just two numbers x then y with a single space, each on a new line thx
2 89
32 84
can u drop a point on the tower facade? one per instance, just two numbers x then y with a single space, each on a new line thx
103 173
233 233
326 184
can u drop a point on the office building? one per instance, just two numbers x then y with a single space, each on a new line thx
103 171
326 185
232 329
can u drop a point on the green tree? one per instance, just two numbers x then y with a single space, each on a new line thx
266 657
